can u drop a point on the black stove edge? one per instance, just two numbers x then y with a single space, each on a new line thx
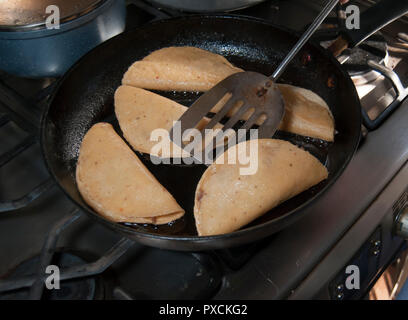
282 265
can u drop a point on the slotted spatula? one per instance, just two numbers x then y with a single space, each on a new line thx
246 91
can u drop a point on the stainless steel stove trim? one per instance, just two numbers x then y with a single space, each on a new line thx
371 75
399 89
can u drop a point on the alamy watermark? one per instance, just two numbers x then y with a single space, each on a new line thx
353 278
53 18
352 20
52 282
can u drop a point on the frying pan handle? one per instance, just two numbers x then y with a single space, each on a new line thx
375 18
401 92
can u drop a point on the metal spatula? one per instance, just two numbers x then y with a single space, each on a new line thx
246 91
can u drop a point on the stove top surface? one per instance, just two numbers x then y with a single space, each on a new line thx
272 268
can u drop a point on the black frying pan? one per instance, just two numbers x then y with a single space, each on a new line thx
85 97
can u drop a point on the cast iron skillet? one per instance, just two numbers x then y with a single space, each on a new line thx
85 97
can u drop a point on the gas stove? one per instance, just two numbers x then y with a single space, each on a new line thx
352 224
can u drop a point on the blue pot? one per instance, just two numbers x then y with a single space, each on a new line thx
51 52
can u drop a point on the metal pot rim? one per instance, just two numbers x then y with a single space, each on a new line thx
42 24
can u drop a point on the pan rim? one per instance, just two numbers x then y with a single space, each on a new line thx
196 239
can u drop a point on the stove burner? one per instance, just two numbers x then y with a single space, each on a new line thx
375 48
355 60
75 289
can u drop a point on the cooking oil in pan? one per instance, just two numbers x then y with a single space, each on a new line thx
181 180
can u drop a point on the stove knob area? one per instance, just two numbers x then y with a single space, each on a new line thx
401 224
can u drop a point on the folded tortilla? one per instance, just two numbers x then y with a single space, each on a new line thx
226 200
194 69
306 113
116 184
180 69
141 112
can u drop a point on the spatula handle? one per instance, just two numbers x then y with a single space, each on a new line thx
375 18
308 33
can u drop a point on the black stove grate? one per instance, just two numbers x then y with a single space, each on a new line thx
80 270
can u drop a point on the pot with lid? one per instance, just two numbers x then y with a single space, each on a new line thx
30 48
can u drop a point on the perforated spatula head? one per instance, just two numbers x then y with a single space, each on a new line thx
246 91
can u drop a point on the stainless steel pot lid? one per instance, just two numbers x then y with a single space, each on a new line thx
32 13
206 5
